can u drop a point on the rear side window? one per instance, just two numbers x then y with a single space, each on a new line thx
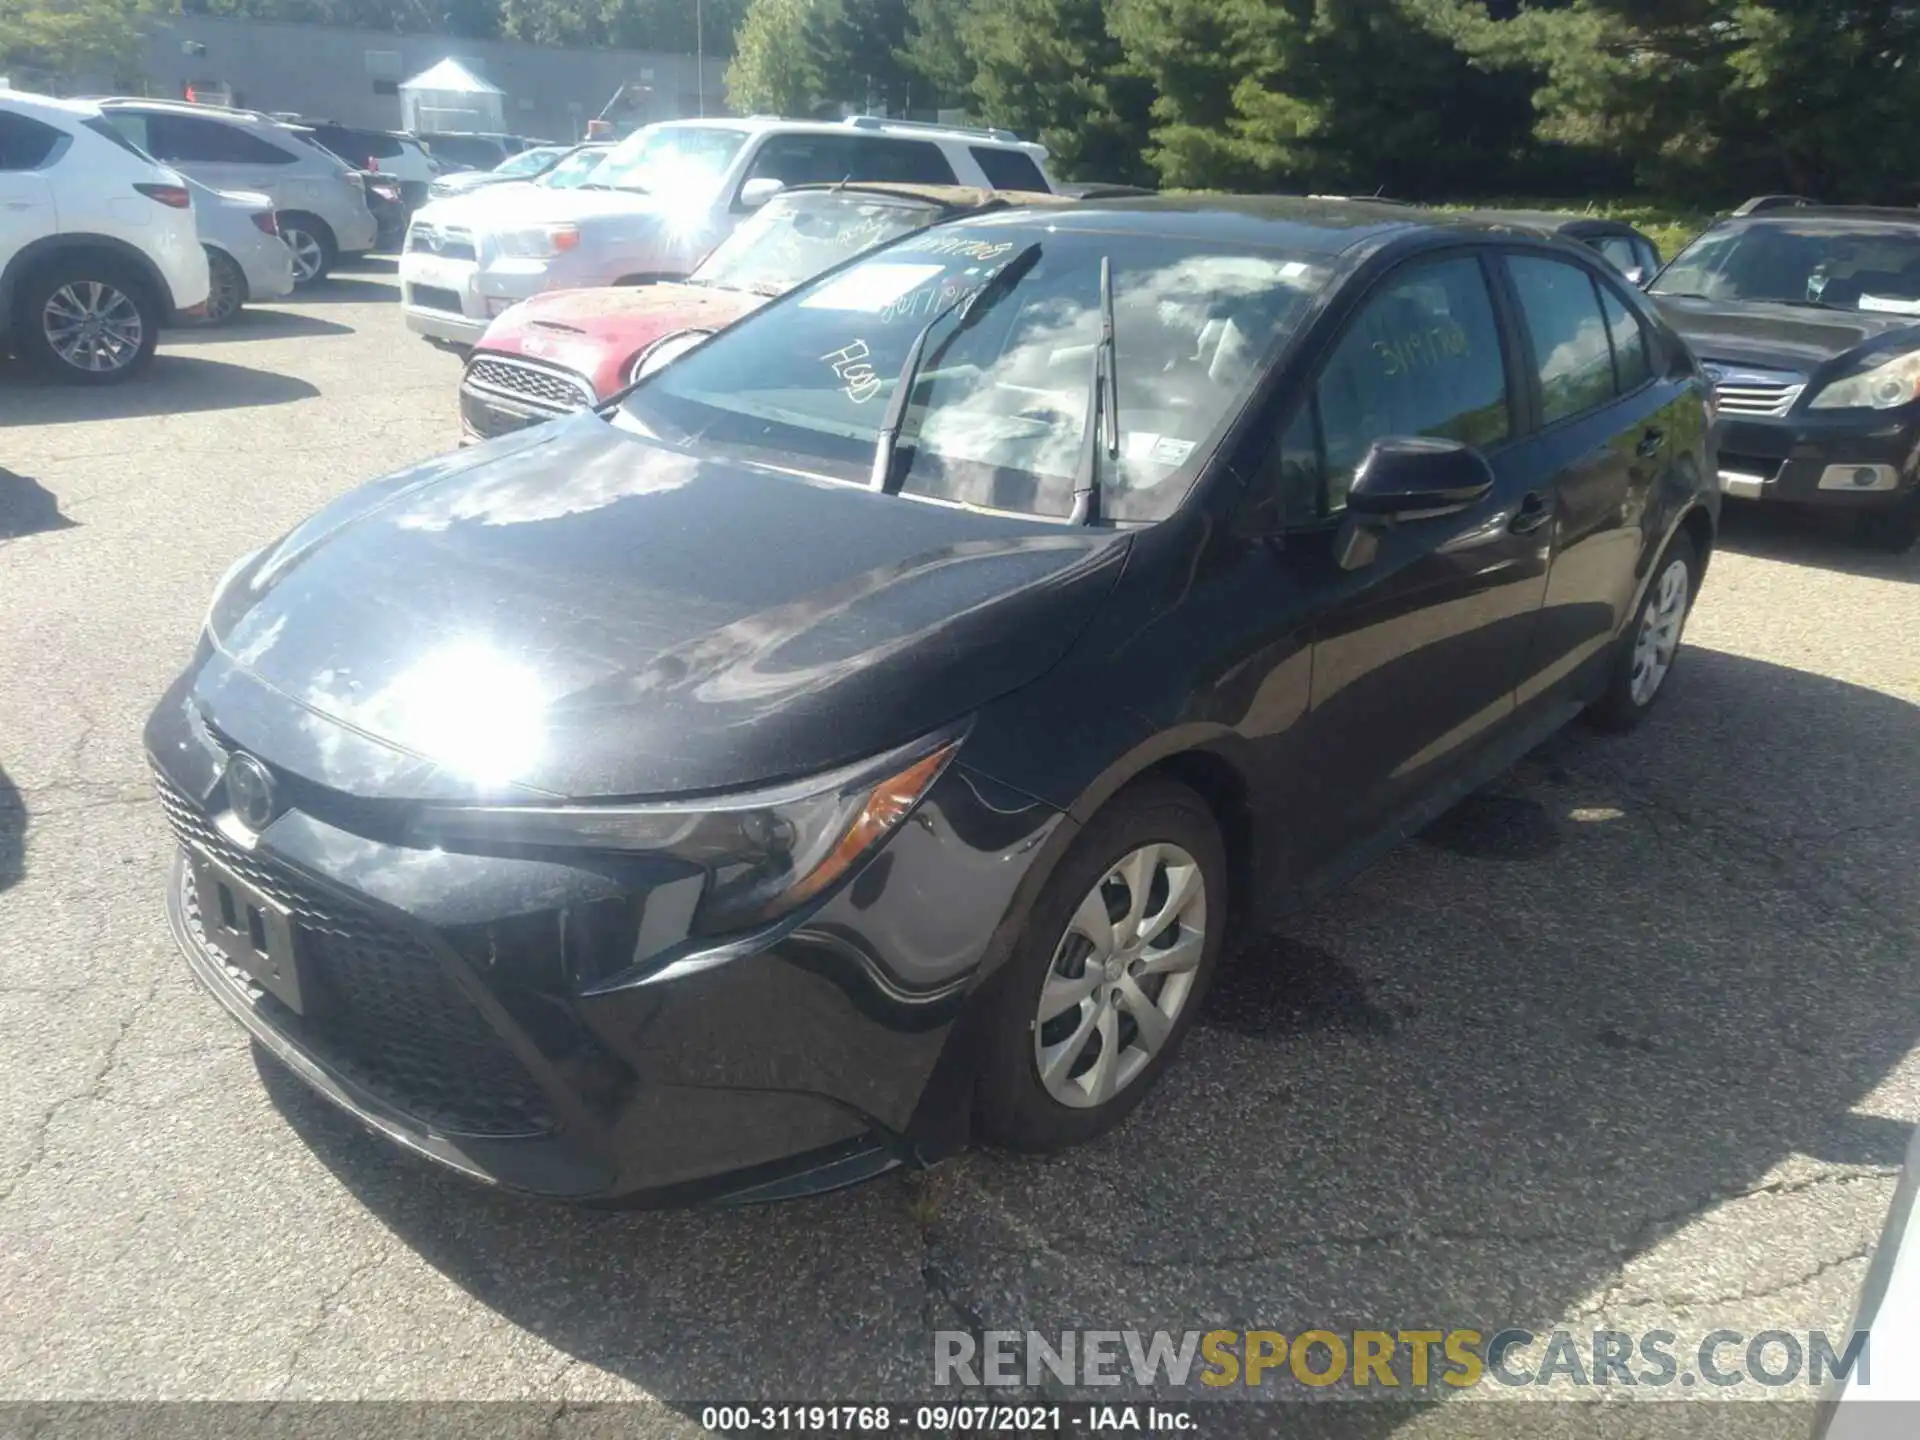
189 140
357 146
1571 352
1008 169
26 143
466 150
1630 364
116 129
1421 358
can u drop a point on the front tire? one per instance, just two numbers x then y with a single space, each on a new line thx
1651 644
227 287
87 321
1108 972
313 246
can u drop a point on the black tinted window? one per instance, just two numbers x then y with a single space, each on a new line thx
1630 364
903 162
1008 169
468 150
26 144
805 160
357 147
1421 358
1618 250
190 140
1570 350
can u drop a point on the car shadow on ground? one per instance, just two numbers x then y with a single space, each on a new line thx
369 265
1599 1001
176 384
256 323
344 290
13 833
1810 537
27 507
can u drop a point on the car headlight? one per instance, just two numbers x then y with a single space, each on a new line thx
537 242
1893 382
764 852
664 352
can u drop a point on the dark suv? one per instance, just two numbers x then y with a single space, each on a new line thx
1807 318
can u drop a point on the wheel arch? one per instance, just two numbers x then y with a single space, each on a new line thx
54 247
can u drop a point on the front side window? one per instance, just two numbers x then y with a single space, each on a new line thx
1422 357
803 160
1000 408
1571 353
1631 364
901 162
1008 169
1845 265
796 235
681 161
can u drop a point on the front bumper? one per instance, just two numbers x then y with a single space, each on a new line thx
486 1012
1809 458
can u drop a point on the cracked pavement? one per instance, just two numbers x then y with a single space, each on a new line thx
1628 1040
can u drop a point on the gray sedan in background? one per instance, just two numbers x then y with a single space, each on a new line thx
246 258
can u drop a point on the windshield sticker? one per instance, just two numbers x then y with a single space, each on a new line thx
870 288
925 302
1889 304
1154 448
858 378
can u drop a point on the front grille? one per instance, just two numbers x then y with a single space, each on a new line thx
434 297
530 384
1750 391
487 419
392 1020
447 244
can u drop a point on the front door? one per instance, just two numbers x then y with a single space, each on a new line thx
1417 645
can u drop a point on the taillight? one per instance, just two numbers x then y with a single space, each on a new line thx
264 222
173 196
373 164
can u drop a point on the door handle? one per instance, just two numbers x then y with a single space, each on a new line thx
1651 442
1534 512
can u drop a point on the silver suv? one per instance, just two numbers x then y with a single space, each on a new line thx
661 199
320 203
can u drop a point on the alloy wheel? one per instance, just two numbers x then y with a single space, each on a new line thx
93 325
308 256
223 298
1659 636
1121 975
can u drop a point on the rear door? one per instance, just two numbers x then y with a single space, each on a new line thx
1602 441
1416 650
26 196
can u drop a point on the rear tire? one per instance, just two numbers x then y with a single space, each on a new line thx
227 290
87 320
1082 991
314 250
1650 646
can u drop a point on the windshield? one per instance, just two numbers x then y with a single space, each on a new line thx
795 236
576 169
1000 407
678 160
1845 266
527 162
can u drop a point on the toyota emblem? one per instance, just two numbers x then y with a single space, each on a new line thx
250 792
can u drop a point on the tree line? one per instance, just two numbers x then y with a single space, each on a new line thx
1422 99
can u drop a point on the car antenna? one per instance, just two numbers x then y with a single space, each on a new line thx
840 184
976 303
1103 411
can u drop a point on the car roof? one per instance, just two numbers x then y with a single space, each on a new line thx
868 125
29 102
956 199
1550 222
1864 217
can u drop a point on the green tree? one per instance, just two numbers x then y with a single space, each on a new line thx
773 69
47 40
936 50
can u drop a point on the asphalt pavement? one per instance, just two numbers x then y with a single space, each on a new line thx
1627 1041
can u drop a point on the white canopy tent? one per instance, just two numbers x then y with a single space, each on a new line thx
449 97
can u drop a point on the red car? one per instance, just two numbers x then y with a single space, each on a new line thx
569 349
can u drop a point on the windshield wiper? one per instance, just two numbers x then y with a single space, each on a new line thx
1103 411
975 306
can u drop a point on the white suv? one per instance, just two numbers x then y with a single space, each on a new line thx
320 202
98 247
662 199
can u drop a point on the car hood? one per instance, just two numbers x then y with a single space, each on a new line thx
581 612
589 331
1783 337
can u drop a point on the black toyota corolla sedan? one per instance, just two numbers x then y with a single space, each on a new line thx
1808 321
864 733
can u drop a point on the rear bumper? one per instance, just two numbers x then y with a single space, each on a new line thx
1812 459
444 325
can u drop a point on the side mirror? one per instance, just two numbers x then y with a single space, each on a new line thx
757 192
1404 477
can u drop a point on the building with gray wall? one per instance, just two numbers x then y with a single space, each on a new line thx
354 76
